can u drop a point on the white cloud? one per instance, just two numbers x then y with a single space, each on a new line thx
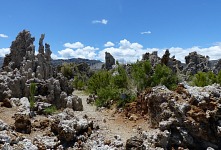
74 45
103 21
4 51
127 51
3 36
108 44
87 52
145 32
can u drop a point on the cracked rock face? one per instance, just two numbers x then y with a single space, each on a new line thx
196 62
190 116
22 67
68 127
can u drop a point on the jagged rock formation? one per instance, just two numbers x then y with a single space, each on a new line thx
109 61
22 67
195 63
217 67
153 58
188 117
174 64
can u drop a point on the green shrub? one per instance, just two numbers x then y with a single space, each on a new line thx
125 97
78 83
218 78
99 80
66 70
119 78
105 95
32 95
140 73
204 78
163 75
50 110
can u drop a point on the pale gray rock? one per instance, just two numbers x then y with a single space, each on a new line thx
3 125
46 142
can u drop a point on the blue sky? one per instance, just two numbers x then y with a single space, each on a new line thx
125 28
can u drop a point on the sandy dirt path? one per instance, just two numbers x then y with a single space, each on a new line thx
110 122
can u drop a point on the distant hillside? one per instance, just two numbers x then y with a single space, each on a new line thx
75 60
72 60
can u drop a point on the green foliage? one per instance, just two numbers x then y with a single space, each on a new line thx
125 97
66 70
105 95
78 83
119 78
163 75
50 110
99 80
32 94
219 78
205 78
140 73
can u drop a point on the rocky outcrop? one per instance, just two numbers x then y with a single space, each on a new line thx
109 61
217 67
22 67
195 63
153 58
188 118
171 62
68 127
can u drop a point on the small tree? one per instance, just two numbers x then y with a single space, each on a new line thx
100 79
140 74
66 70
205 78
163 75
120 78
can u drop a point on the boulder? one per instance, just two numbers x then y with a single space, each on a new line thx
135 143
68 127
22 123
74 102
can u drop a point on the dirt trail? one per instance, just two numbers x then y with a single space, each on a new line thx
110 122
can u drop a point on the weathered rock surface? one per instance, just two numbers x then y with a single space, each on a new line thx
135 143
171 62
153 58
188 117
196 62
109 61
22 123
68 127
22 67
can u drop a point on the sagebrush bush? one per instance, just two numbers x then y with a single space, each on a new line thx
78 83
105 95
140 72
163 75
66 70
119 78
99 80
205 78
